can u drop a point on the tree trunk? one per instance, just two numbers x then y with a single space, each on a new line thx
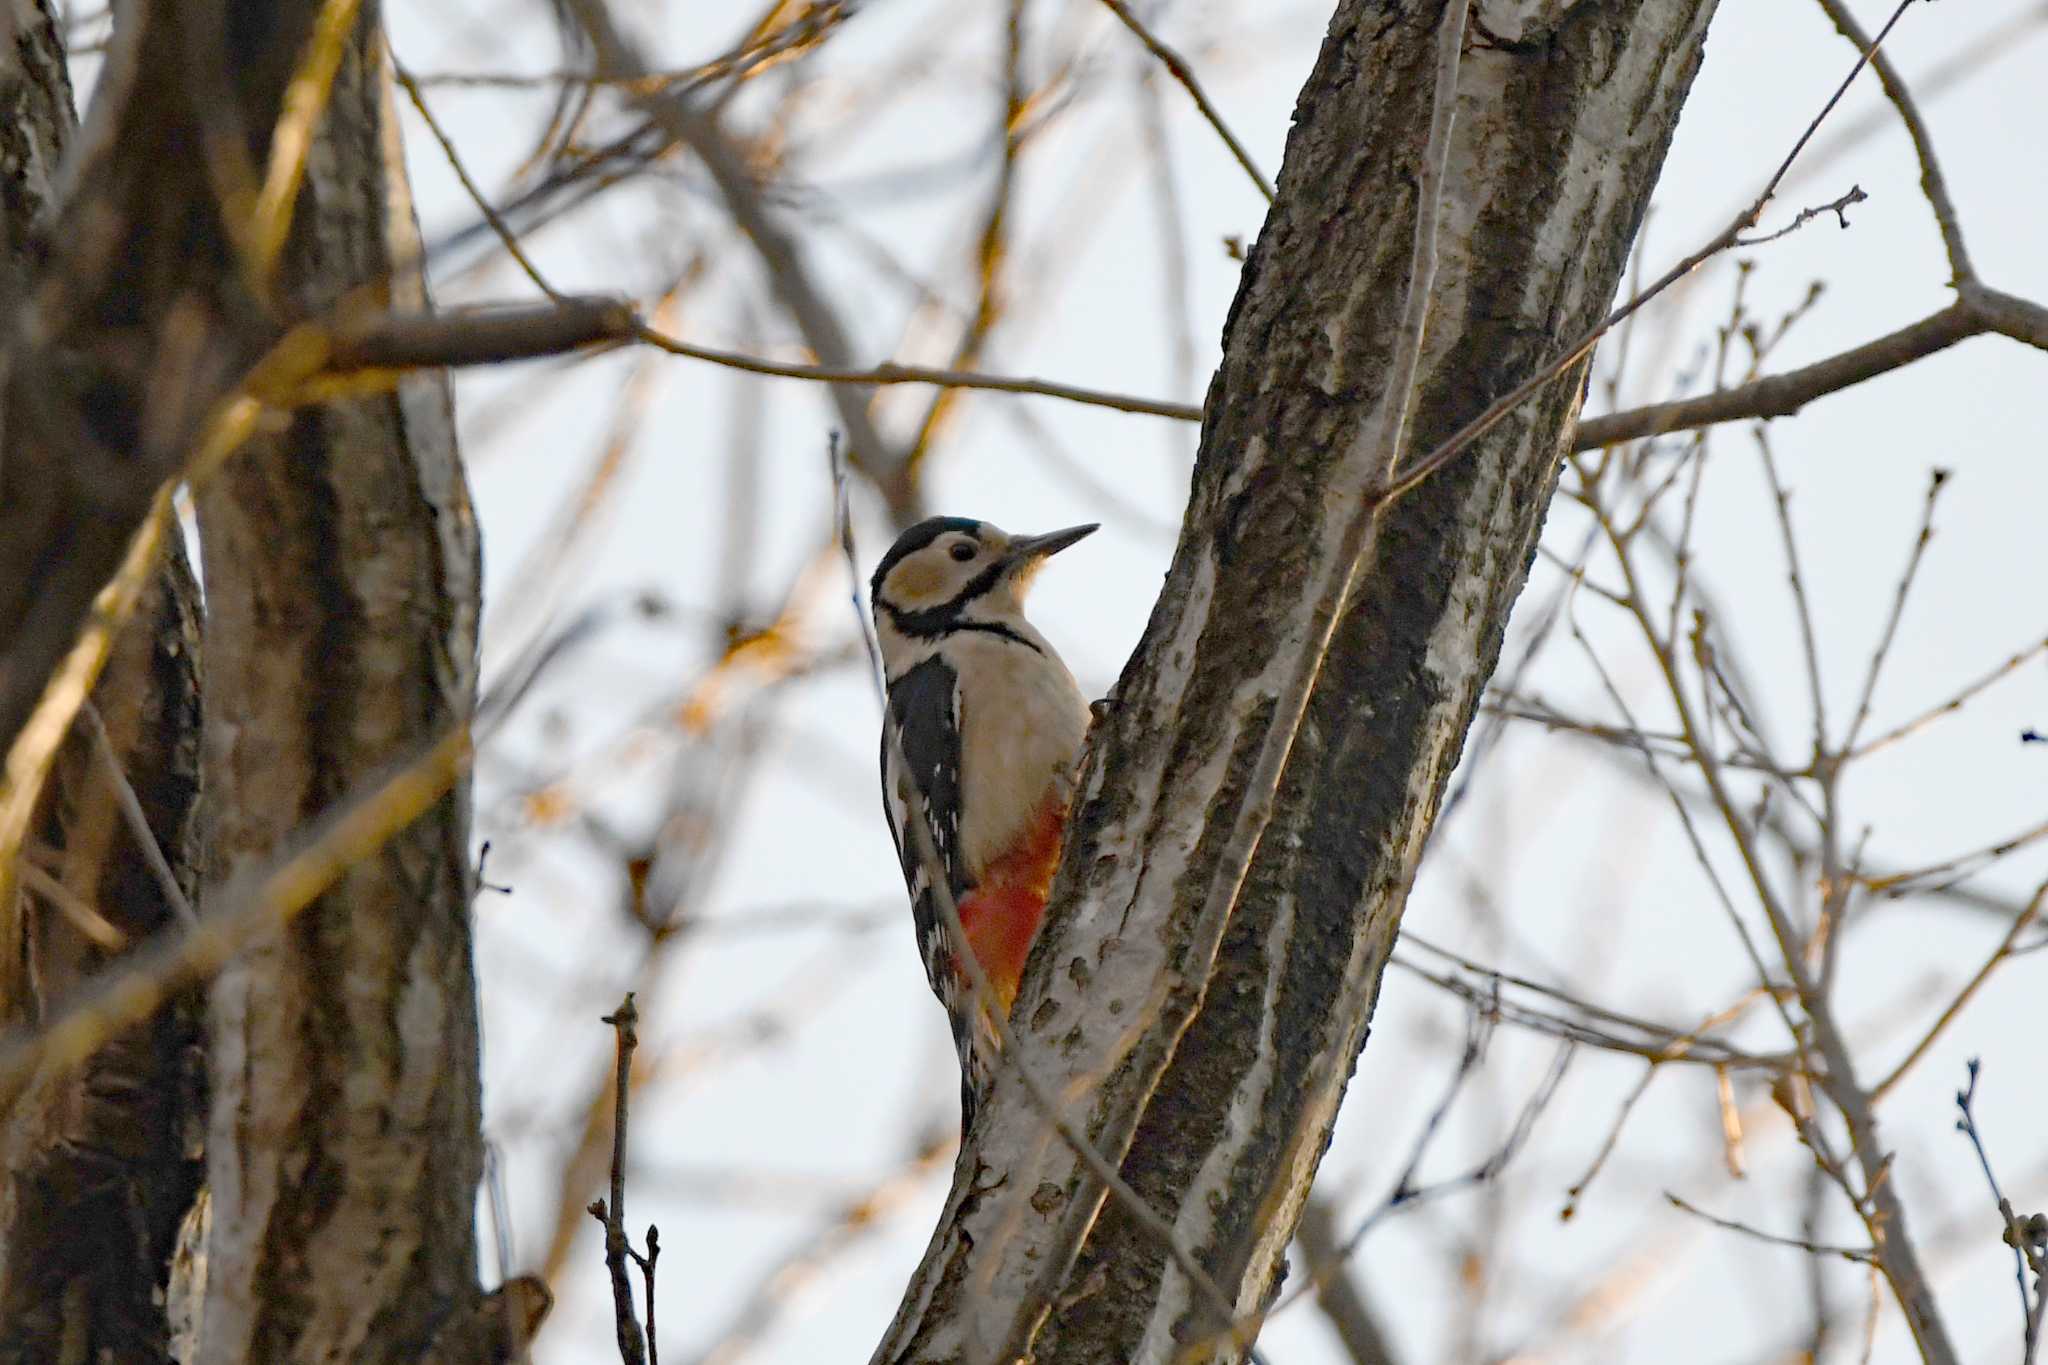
342 586
132 312
1208 1056
101 1160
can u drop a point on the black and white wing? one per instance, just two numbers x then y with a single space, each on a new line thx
925 703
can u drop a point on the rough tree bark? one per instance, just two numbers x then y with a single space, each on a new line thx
1210 1057
100 1161
134 314
341 579
343 1149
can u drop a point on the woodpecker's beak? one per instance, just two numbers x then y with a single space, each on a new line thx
1030 549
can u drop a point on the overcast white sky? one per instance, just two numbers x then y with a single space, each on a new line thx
1583 866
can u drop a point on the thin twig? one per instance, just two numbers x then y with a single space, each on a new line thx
1878 1202
1578 1188
612 1215
1802 610
1962 864
2020 1236
132 812
1935 484
2004 950
1661 649
85 917
1407 1194
262 236
991 246
1839 206
1661 1046
1860 1255
1968 693
508 238
892 373
788 268
1177 65
646 1264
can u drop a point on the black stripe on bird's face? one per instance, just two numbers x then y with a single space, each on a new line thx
940 568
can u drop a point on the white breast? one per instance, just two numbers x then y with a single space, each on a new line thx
1022 720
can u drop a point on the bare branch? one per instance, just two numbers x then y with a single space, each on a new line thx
1781 395
481 336
506 236
2004 950
1860 1255
1961 698
132 813
918 374
1931 181
2028 1238
787 268
1340 1294
1838 206
1935 484
633 1346
1178 66
1823 1049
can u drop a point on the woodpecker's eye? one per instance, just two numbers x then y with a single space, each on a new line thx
963 551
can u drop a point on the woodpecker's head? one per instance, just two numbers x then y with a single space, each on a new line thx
949 573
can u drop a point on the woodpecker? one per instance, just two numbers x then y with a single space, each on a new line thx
990 724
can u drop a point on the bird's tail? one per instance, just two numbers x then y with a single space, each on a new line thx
978 1048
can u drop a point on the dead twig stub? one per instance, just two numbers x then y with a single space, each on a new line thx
635 1348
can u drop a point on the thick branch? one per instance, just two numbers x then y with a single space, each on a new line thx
1781 395
482 336
1976 312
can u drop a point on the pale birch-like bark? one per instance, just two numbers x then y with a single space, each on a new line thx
342 586
1213 1067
